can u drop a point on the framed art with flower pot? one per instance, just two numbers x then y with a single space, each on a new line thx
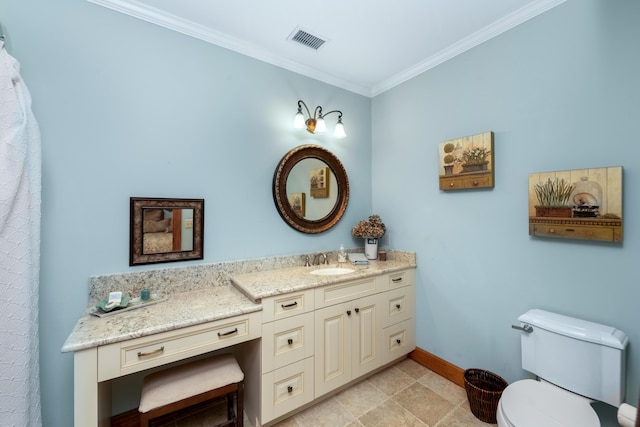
297 202
467 162
577 204
319 182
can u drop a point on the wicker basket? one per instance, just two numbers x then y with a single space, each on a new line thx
484 389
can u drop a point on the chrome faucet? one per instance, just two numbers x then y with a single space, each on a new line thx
320 259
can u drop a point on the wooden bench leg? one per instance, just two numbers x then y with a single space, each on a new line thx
240 405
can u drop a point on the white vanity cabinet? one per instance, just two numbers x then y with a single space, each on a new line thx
317 340
348 334
287 353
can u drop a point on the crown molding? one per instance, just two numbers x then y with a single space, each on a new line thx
156 16
508 22
192 29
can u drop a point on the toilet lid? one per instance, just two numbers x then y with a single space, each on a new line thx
529 403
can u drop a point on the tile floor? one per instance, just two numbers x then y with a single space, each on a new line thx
405 394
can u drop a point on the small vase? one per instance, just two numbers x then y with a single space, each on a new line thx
371 247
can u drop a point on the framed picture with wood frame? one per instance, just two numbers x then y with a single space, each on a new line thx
577 204
297 203
467 162
319 182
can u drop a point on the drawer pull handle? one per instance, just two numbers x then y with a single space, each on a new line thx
357 310
289 341
289 389
224 334
293 304
397 280
398 341
348 312
570 229
151 353
398 306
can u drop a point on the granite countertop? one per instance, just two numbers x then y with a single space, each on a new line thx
206 303
181 309
263 284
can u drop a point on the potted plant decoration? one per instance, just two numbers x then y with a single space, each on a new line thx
370 230
448 158
475 159
553 197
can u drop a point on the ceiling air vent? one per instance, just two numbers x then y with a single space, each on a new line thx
306 39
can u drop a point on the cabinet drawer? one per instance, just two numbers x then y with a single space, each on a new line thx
115 360
398 305
286 389
398 278
398 340
572 231
341 292
286 341
287 305
472 181
478 181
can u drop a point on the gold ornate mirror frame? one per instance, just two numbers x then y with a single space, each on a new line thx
280 196
165 230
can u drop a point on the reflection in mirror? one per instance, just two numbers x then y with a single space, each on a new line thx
310 189
318 186
165 230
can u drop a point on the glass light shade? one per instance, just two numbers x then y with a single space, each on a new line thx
298 122
339 131
321 127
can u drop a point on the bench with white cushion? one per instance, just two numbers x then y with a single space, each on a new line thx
182 386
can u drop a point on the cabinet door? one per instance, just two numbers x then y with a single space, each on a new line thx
286 341
286 389
366 326
399 339
333 347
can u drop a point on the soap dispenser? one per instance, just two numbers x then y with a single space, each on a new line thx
342 254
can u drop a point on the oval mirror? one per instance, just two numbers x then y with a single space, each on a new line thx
310 189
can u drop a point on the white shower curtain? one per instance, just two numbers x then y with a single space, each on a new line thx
20 184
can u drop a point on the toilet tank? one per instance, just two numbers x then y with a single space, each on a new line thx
583 357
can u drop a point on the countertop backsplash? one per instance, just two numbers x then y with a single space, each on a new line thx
163 281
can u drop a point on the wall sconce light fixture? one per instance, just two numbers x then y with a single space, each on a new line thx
315 124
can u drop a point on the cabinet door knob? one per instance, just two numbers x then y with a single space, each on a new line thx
357 310
289 389
348 312
451 184
398 341
552 230
398 306
289 341
475 183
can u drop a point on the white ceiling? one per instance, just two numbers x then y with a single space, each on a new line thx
371 45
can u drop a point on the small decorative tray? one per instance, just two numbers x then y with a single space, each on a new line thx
126 304
102 305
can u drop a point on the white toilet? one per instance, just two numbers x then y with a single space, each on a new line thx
576 362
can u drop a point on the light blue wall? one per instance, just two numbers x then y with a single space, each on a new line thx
127 108
561 91
130 109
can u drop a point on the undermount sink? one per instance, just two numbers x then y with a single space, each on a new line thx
332 271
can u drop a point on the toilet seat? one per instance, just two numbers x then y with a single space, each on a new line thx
530 403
